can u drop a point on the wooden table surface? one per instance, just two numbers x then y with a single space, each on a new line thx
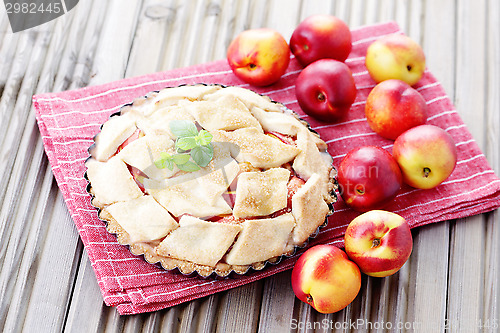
46 281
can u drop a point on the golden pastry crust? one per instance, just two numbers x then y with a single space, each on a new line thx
261 193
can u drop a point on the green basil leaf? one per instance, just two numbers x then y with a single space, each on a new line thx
181 158
183 128
202 155
189 167
185 143
204 138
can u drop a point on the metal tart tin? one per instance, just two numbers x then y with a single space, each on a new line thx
200 270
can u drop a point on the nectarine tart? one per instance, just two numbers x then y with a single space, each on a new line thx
210 179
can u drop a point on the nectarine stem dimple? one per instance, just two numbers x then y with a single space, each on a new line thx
408 68
427 171
375 242
252 66
309 299
321 97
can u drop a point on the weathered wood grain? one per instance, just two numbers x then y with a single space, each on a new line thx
277 304
33 186
313 7
155 21
46 281
55 250
466 286
228 12
86 307
175 38
69 42
238 309
282 17
25 170
431 244
492 256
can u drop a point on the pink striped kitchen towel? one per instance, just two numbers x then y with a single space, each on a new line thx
69 120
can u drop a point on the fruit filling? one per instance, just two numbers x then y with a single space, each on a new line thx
136 135
283 138
138 176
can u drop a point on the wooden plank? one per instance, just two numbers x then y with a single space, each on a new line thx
50 297
21 180
313 7
402 14
117 42
191 22
258 14
470 82
189 311
56 53
114 43
17 273
429 278
400 286
491 316
278 302
466 287
342 9
386 11
112 321
132 324
440 16
228 24
415 17
380 290
207 34
147 49
302 318
395 291
4 26
199 315
55 269
152 322
492 64
206 317
7 51
34 181
86 317
85 49
431 243
170 322
26 173
176 38
239 309
356 14
12 123
69 41
370 12
492 257
288 17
